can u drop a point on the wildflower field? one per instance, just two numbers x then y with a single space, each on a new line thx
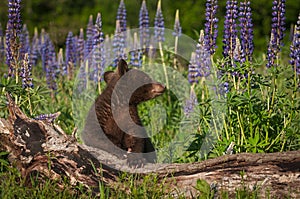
222 97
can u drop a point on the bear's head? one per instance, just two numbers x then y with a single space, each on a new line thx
131 85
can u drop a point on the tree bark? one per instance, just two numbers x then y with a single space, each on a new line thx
39 146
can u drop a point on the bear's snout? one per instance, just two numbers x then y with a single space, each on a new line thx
158 89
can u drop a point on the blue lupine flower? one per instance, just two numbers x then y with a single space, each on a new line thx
136 53
159 24
121 16
24 42
26 73
277 32
190 103
203 60
98 50
48 117
70 54
13 30
230 28
80 47
211 26
34 50
246 26
144 26
61 65
118 45
89 37
295 48
193 70
177 28
2 49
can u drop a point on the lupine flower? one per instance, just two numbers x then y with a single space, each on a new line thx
190 103
118 45
136 53
159 24
202 57
277 32
98 50
2 50
211 26
26 73
34 50
89 37
80 47
230 29
295 48
13 30
70 54
121 16
177 28
47 117
144 26
49 63
24 41
246 25
193 70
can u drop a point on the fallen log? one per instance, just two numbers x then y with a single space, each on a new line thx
39 146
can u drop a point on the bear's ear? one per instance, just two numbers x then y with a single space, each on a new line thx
108 76
122 67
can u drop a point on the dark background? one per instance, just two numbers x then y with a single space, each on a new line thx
58 17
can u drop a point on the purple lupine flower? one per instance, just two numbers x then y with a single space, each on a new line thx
13 30
159 24
34 50
118 45
230 29
295 48
70 54
26 73
48 62
24 42
89 37
277 32
2 49
190 103
144 26
136 53
80 47
246 25
193 70
211 26
202 57
47 117
98 50
121 16
177 28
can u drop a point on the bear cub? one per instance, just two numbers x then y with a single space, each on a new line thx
113 123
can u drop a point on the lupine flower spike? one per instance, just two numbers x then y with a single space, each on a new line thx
80 47
277 32
246 25
295 48
159 24
144 26
211 26
136 54
13 30
203 60
190 103
89 37
118 45
26 73
70 55
230 30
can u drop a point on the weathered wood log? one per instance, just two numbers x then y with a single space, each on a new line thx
39 146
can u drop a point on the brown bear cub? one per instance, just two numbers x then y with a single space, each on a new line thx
113 123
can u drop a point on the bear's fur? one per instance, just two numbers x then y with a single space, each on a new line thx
113 123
